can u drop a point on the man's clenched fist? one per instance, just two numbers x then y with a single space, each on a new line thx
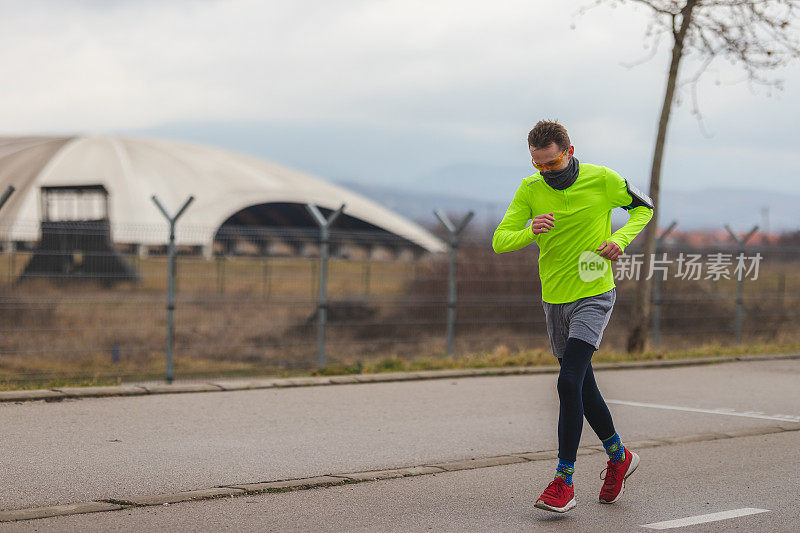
609 250
542 223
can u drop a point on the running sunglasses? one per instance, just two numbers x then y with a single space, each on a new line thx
551 164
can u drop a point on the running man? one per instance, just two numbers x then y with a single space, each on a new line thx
570 206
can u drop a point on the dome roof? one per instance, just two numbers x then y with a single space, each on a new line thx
133 170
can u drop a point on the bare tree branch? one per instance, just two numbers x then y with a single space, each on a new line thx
692 82
757 35
646 58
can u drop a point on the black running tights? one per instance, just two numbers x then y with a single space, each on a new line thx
579 396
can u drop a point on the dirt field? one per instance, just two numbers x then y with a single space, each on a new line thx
246 315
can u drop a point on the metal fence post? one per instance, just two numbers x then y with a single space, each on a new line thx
170 373
266 285
657 290
221 274
322 309
737 326
367 276
455 232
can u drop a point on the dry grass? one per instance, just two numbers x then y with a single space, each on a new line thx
250 316
100 373
503 357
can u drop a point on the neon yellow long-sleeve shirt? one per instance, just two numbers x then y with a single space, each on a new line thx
582 215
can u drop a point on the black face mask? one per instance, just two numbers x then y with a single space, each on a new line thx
561 179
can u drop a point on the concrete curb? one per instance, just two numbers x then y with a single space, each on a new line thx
29 395
375 475
289 484
254 384
181 387
88 392
177 497
244 489
57 510
469 464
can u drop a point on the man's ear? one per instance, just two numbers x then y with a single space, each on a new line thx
571 150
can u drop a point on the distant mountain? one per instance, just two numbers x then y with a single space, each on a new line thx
708 209
492 183
419 205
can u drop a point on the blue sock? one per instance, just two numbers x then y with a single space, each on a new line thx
614 448
565 469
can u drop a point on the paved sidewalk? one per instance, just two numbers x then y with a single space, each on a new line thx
348 478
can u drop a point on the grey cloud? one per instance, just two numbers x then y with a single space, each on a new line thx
399 90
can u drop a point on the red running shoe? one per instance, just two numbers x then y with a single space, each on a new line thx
557 497
616 474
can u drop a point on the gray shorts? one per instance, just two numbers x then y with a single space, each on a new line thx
584 319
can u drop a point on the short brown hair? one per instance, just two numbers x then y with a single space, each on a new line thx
546 132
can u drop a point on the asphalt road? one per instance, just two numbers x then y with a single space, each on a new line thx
672 482
82 450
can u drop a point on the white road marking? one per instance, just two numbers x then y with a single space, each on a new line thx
720 411
703 518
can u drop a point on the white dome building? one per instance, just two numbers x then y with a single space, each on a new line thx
228 188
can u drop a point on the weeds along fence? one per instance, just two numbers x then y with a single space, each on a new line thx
249 304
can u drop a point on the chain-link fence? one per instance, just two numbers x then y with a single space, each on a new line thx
73 308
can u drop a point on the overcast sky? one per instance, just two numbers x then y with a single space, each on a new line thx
393 92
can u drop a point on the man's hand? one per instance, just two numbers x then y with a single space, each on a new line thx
609 250
542 223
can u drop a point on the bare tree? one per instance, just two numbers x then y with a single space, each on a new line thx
755 34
